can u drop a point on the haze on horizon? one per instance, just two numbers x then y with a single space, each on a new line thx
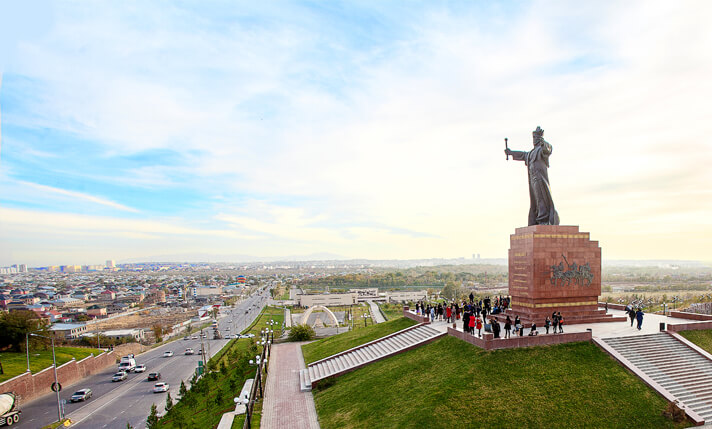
366 130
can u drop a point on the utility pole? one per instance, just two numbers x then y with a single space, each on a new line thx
27 349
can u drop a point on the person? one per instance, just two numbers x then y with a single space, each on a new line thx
472 297
606 307
479 327
432 314
554 321
560 318
517 325
472 325
507 328
639 317
533 332
631 315
465 321
495 328
547 324
541 204
448 313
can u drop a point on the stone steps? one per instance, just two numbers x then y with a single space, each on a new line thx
677 368
370 352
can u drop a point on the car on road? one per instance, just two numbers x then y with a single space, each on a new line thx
189 351
161 387
140 368
168 353
119 376
194 337
154 376
80 395
187 338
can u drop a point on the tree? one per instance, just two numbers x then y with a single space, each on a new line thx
301 333
152 420
15 325
158 332
128 426
169 402
182 391
223 368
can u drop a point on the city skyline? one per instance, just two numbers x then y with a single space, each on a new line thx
367 131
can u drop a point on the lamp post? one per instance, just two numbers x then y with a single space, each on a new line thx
27 349
56 381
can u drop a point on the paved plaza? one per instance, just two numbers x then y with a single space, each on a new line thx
651 325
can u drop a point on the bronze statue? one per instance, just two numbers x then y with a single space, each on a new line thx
541 208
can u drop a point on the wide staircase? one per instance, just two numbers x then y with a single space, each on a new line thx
679 369
364 354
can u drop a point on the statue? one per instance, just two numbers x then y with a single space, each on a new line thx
541 208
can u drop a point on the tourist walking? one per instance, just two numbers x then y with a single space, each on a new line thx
517 326
479 327
547 324
631 314
508 328
448 313
432 314
560 318
639 317
472 325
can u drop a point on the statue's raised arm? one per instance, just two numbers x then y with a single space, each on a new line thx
541 207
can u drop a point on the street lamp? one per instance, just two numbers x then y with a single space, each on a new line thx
56 381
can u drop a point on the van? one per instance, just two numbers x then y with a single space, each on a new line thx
127 364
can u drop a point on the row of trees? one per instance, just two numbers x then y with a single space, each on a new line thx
408 278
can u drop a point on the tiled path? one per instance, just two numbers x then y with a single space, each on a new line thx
285 406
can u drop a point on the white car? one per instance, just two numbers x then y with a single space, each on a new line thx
189 351
161 387
119 376
168 354
140 368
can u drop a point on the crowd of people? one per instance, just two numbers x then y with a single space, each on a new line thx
477 315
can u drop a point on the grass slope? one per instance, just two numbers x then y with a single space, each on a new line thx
14 364
212 395
450 383
702 338
338 343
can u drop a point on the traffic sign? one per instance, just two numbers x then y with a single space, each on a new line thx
56 387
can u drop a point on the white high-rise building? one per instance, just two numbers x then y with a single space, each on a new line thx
110 263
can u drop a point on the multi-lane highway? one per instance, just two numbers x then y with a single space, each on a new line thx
114 404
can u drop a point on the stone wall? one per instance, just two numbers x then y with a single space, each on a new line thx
29 386
691 316
488 342
689 326
410 315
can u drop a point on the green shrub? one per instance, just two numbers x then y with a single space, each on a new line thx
301 333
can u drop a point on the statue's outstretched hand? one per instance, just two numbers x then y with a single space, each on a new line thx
507 151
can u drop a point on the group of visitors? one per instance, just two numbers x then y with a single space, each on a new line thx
635 314
455 311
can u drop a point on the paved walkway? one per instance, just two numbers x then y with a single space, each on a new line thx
376 314
285 406
651 325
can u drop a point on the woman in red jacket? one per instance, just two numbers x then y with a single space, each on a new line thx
472 325
479 327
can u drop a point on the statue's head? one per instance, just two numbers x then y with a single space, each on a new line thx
538 134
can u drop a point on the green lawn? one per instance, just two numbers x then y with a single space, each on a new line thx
212 395
338 343
14 364
450 383
702 338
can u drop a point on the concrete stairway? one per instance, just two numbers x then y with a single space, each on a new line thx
364 354
680 370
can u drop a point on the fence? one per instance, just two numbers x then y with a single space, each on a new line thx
257 385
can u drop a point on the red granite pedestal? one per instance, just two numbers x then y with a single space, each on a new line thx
555 268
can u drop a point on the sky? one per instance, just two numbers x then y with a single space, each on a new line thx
362 129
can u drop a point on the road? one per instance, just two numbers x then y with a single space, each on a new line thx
114 404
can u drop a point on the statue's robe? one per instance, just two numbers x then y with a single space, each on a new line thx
541 205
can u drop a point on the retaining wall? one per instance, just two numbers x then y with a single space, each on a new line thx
488 342
30 386
410 315
691 316
689 326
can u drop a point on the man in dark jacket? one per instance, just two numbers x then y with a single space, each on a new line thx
639 317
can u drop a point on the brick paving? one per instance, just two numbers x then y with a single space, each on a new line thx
285 406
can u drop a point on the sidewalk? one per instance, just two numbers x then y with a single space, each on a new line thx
376 312
285 406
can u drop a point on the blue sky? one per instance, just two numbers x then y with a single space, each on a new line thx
361 129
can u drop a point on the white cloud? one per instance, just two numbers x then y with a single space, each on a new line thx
410 136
